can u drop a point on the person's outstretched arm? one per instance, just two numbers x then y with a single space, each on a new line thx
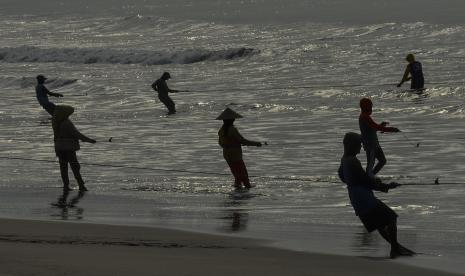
52 94
79 135
172 90
358 175
406 76
242 140
379 127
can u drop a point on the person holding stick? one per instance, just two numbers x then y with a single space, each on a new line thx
42 95
374 214
414 73
231 141
66 140
368 128
162 88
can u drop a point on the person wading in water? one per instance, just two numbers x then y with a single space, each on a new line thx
162 88
231 141
414 73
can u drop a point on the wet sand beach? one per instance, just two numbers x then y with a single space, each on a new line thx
61 248
295 70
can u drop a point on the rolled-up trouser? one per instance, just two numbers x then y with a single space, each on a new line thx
239 171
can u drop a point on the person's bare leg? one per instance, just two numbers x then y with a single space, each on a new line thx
379 155
389 233
64 173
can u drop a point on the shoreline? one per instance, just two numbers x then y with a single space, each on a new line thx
40 247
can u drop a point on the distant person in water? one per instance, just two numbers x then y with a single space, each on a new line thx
42 95
373 213
162 88
414 73
66 138
370 140
231 141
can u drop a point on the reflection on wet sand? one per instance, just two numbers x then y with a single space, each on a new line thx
237 217
69 209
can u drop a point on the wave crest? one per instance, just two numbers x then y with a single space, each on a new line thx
100 55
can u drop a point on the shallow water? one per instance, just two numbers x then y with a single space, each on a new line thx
296 83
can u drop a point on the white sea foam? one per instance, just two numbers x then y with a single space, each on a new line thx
298 89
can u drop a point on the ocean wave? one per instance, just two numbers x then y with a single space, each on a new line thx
104 55
25 82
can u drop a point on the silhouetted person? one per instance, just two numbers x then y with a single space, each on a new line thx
231 141
66 138
370 140
42 95
374 214
414 73
161 87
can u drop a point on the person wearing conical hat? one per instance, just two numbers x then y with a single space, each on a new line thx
66 140
231 141
374 214
414 73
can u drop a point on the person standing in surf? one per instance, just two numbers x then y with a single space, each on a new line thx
66 139
368 128
162 88
414 73
231 141
374 214
42 95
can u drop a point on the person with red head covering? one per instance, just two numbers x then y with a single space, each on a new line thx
370 141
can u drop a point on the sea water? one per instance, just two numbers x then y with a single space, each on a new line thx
295 70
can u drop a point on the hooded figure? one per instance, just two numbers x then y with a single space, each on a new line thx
415 71
66 140
369 137
162 88
374 214
231 141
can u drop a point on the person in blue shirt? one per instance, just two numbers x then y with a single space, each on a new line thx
42 95
374 214
414 73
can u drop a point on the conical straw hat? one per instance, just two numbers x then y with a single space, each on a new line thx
228 114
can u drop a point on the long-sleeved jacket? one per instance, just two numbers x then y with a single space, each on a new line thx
67 137
161 87
231 143
359 185
65 134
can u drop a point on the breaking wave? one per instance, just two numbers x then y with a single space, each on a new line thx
105 56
